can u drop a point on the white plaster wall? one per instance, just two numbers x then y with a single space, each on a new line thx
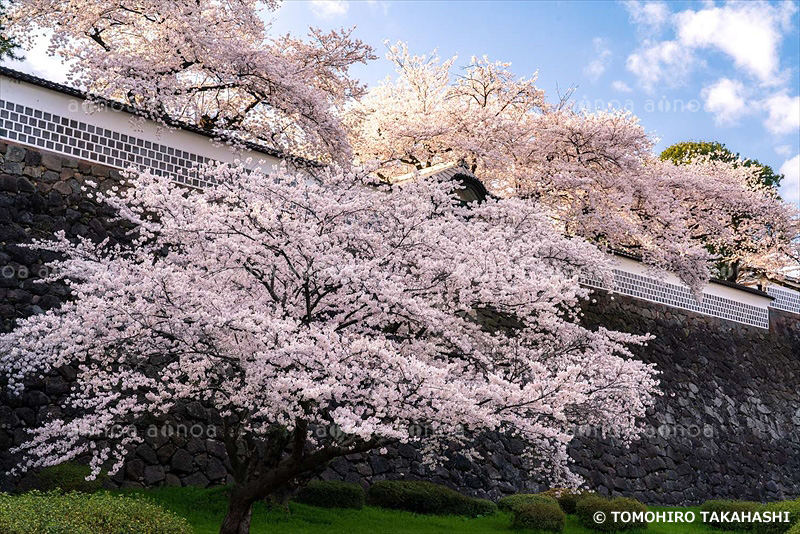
635 267
51 101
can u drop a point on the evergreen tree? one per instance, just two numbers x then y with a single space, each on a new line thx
686 151
8 47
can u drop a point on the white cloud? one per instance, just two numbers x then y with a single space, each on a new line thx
784 114
749 32
665 62
790 186
39 63
328 9
379 5
783 150
622 87
726 100
602 59
648 16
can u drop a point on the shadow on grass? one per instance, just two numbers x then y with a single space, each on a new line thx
205 509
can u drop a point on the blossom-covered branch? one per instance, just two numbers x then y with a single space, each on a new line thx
208 62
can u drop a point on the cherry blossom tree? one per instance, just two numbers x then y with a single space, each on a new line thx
291 304
207 62
769 260
595 172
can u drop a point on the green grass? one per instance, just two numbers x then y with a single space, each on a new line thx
204 509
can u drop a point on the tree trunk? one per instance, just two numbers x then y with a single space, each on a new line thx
239 511
733 271
250 487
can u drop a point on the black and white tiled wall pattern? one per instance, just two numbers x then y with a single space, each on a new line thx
34 127
654 290
785 299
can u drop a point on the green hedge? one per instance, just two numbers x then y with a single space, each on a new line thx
793 507
65 477
81 513
425 498
567 498
725 505
590 505
541 514
331 494
482 507
508 504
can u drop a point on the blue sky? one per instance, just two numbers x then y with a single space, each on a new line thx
722 71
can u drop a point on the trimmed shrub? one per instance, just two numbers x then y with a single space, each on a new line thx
508 504
587 507
422 498
795 529
483 507
81 513
540 514
65 477
331 494
725 505
567 498
793 507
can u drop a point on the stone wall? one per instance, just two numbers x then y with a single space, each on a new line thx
40 194
728 424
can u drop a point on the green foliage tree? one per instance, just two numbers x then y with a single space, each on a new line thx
686 151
